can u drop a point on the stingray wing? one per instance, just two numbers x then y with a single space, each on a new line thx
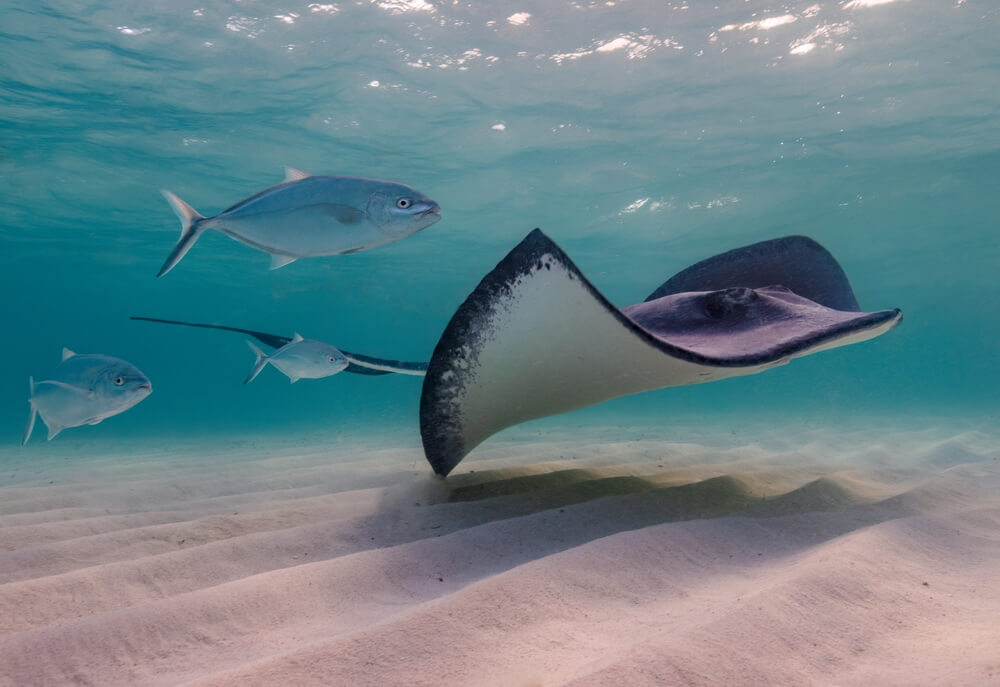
535 338
798 263
368 365
272 340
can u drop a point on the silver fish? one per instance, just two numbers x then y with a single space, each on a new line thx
307 216
84 389
300 359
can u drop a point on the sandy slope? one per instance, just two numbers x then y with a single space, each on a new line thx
867 558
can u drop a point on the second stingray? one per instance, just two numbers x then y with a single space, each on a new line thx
356 362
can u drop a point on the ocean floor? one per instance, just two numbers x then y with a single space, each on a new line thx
863 556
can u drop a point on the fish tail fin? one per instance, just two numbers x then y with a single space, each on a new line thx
258 364
32 415
191 228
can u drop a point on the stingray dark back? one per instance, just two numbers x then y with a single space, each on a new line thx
796 262
740 327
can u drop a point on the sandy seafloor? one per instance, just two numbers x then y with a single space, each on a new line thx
763 555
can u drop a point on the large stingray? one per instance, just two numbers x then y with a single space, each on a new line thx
356 362
536 338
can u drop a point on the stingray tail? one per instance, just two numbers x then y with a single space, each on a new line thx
191 228
33 414
258 365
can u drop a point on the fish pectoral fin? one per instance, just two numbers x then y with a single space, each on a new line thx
345 214
68 387
279 260
93 421
66 353
53 430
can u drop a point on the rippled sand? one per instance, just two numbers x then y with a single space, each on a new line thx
807 557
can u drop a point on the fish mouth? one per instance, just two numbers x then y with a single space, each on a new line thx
434 209
429 216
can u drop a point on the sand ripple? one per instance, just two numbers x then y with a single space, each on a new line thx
822 558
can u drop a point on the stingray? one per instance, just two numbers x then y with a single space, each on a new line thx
356 362
536 338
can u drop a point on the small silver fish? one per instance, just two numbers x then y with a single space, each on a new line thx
84 389
306 216
300 359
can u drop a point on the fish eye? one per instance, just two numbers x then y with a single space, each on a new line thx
332 359
119 381
403 203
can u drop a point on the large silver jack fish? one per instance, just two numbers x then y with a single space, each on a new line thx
83 390
307 216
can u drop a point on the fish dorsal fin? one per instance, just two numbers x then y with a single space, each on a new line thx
296 338
292 174
278 260
67 353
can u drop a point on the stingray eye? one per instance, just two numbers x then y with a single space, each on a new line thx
728 302
403 203
119 381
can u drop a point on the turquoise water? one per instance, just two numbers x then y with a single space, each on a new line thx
641 136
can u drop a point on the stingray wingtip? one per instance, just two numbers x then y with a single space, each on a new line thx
441 471
441 451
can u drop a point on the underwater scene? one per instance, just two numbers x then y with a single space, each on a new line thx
638 342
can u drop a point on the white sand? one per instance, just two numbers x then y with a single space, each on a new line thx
808 558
